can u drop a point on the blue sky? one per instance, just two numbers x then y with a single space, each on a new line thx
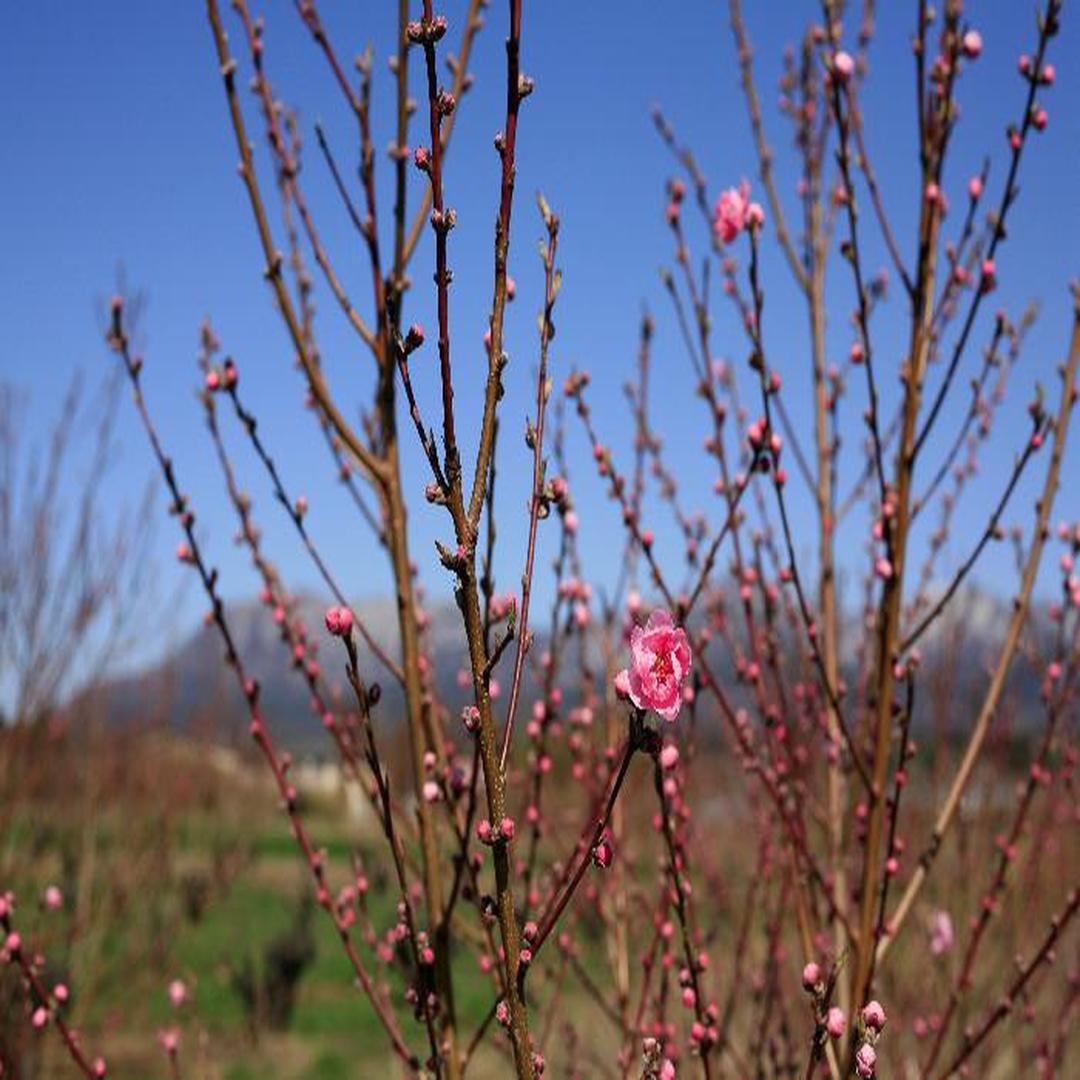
119 153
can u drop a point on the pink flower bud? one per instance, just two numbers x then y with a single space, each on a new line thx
972 44
178 993
339 621
836 1022
414 338
669 756
603 855
811 976
843 66
873 1015
865 1060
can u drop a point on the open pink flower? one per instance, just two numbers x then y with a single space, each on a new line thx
732 212
659 664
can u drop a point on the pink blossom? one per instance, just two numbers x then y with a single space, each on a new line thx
843 65
339 621
669 756
603 855
973 44
54 898
170 1040
836 1022
865 1060
811 976
660 661
975 187
941 933
873 1015
732 212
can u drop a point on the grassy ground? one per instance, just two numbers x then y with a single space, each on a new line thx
121 970
127 867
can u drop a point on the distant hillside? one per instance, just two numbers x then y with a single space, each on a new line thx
193 691
197 692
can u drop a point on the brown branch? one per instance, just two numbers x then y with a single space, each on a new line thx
1012 639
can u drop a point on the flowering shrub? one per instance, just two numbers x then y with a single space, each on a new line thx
516 847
